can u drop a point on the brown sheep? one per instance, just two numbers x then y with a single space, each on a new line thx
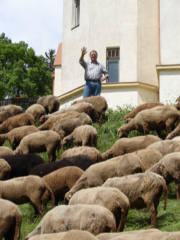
67 125
169 168
92 152
16 121
5 151
139 108
92 218
142 190
10 220
127 145
84 135
25 189
111 198
5 169
157 118
165 146
16 134
37 110
40 141
99 103
70 235
98 173
9 111
61 180
174 133
49 102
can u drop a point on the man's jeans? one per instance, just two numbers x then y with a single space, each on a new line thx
92 88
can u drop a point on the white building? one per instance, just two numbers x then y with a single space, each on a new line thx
137 40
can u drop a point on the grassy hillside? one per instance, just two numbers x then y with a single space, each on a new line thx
168 220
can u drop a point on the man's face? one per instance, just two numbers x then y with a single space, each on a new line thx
93 56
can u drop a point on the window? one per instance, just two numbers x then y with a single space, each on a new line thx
75 13
112 59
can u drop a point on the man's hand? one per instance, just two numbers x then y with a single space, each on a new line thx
102 78
83 51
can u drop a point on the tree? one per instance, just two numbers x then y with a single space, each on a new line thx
50 56
21 71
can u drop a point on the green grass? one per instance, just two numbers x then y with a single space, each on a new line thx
167 220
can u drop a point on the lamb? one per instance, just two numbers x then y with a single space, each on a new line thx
139 108
99 103
165 146
10 220
5 151
142 190
37 110
67 125
98 173
21 165
16 134
92 152
84 135
40 141
81 161
49 102
70 235
158 118
111 198
17 121
61 180
92 218
25 189
5 169
126 145
169 168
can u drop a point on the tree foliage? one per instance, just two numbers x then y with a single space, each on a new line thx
22 73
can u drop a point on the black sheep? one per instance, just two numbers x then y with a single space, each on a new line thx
22 164
81 161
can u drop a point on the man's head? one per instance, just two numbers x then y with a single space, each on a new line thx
93 55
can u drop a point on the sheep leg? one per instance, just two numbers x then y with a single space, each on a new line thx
153 213
122 220
169 124
37 206
177 190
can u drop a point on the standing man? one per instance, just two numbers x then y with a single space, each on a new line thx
95 73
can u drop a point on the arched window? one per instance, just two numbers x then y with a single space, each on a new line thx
75 13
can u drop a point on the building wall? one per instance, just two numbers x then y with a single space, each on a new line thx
57 81
106 24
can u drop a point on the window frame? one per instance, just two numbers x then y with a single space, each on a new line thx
75 14
113 55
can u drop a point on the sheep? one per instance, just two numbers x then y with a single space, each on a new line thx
25 189
99 103
9 111
111 198
169 168
92 218
10 220
5 151
21 165
84 135
177 103
98 173
157 118
174 133
16 134
21 119
57 118
142 190
49 102
126 145
70 235
81 161
165 146
40 141
92 152
5 169
139 108
37 110
61 180
67 125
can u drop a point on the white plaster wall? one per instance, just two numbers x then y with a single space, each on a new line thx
170 31
169 86
103 23
57 81
144 95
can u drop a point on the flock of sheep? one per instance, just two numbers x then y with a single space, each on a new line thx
98 188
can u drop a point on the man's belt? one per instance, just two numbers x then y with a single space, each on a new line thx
92 80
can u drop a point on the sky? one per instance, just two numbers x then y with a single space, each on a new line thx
36 22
